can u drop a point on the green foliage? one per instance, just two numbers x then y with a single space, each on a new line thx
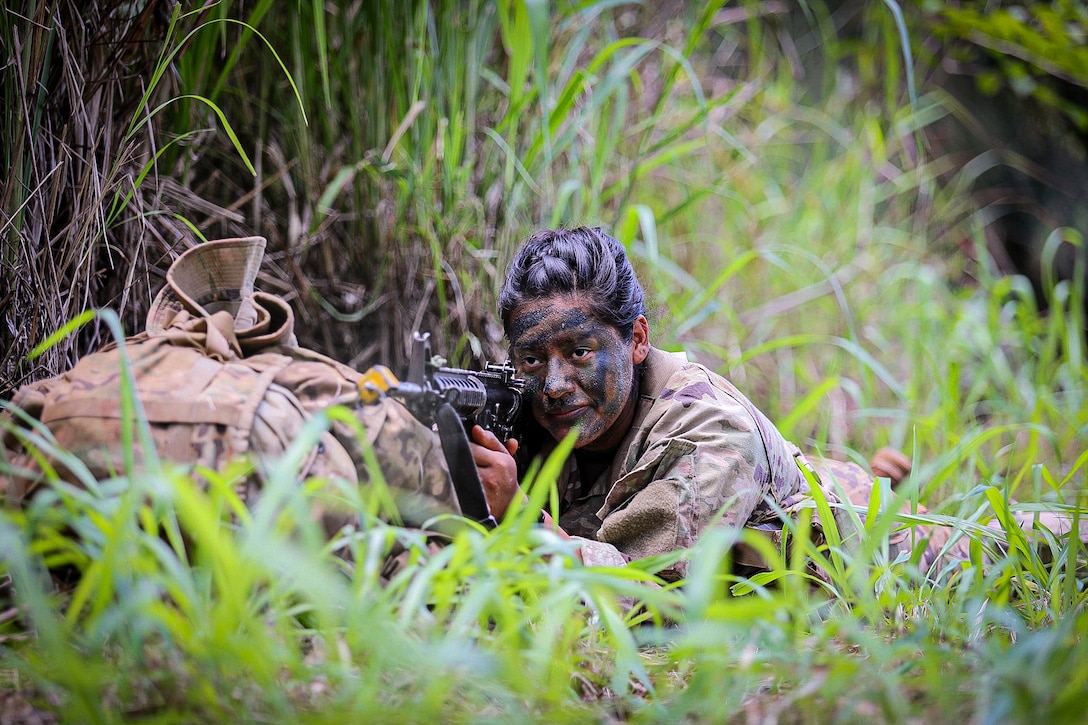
422 139
187 604
793 234
1029 45
191 608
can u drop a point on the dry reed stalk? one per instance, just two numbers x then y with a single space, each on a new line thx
79 74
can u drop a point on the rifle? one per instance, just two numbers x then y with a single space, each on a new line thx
454 400
490 398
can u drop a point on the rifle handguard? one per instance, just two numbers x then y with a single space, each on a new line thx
490 398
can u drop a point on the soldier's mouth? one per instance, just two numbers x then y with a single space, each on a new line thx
566 414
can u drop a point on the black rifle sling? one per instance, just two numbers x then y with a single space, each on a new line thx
466 479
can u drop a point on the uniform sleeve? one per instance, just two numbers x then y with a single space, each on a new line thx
598 553
702 458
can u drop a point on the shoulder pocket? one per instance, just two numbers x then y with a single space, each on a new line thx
652 465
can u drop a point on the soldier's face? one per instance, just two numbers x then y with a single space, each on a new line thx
579 371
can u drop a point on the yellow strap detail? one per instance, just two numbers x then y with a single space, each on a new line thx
375 382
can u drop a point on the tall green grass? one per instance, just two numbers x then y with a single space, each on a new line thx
429 137
792 235
190 608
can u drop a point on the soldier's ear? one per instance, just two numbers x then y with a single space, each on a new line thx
640 340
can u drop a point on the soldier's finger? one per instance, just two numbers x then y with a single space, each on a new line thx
487 439
891 463
484 456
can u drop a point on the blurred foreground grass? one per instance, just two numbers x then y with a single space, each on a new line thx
186 611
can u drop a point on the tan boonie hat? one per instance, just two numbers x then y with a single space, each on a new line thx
219 276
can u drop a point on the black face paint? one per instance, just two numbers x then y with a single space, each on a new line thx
579 371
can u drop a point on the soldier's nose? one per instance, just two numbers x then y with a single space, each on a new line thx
557 383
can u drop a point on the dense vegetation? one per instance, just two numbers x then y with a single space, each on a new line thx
795 187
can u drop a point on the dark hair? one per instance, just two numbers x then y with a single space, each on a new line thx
575 261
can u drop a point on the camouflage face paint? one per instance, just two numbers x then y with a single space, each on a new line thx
578 370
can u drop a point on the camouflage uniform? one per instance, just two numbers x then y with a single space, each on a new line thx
219 375
928 545
698 454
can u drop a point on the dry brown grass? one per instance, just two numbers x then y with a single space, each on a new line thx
76 80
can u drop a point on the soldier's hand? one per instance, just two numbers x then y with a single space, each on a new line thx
498 469
499 475
891 463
